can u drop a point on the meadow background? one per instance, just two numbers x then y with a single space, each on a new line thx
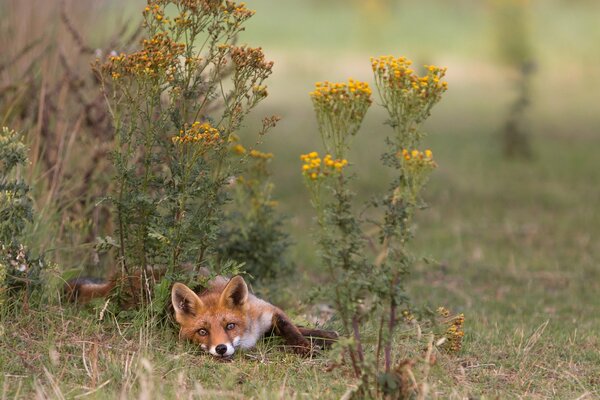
513 244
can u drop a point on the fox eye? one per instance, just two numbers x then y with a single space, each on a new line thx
230 326
202 332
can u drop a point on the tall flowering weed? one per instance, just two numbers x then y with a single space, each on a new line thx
369 285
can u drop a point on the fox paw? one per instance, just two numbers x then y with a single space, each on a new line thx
302 349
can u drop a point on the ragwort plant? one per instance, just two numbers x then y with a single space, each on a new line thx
176 105
371 285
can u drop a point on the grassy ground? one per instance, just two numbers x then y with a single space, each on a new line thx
516 252
513 245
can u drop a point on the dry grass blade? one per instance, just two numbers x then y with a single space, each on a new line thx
534 338
92 391
53 384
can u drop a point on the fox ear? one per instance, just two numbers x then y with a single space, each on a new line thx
235 293
186 303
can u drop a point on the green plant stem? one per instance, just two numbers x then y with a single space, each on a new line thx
378 349
122 243
391 327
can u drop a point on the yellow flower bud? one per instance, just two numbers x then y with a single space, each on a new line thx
239 149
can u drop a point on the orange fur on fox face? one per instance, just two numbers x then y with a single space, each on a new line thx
217 319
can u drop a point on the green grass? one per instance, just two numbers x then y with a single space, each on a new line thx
516 253
65 353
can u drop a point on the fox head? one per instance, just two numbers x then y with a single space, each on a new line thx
217 319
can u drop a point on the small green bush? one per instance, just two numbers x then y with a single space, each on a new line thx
253 232
19 271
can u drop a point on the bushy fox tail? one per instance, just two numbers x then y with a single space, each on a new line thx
83 290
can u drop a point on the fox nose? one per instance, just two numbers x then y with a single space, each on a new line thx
221 349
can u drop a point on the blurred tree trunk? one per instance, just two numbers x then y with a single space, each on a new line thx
515 49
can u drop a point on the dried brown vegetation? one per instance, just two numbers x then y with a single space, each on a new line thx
48 92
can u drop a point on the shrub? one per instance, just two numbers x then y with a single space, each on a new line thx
19 271
177 105
253 231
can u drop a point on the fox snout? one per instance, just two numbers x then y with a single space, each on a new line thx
222 350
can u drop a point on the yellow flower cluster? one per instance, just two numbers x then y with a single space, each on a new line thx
443 311
395 74
259 155
395 67
418 158
314 167
455 333
336 95
238 11
159 55
183 20
260 90
417 165
407 316
203 133
249 58
155 11
202 6
196 14
250 71
407 97
340 109
239 149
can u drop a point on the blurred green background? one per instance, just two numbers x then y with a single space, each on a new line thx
333 40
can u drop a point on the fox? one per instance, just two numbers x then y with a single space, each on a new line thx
222 318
